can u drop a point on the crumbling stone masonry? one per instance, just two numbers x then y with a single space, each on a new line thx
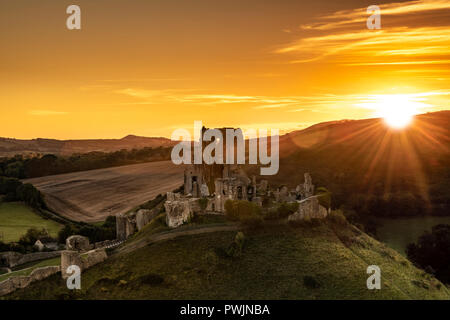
13 283
215 184
309 208
11 259
83 260
180 210
130 222
80 254
78 243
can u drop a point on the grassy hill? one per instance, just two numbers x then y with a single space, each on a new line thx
26 269
398 172
16 218
320 260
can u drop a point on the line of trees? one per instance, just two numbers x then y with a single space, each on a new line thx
432 252
107 231
13 189
22 167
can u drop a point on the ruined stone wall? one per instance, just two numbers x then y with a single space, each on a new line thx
125 225
131 222
12 259
83 260
144 216
180 211
13 283
106 243
78 243
309 209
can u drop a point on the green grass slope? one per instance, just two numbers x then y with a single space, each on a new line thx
26 270
324 260
16 218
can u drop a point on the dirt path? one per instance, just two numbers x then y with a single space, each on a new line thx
92 195
175 234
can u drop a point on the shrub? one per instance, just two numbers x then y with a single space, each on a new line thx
32 236
324 197
286 209
310 282
107 231
154 202
432 252
4 247
282 210
211 258
236 247
244 211
66 232
336 216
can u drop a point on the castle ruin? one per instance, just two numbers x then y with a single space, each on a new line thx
207 187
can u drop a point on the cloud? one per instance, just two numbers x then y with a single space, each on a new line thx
46 113
408 39
368 45
358 16
209 99
331 104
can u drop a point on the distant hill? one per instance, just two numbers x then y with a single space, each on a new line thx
428 131
353 157
11 147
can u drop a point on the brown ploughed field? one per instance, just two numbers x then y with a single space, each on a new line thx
91 196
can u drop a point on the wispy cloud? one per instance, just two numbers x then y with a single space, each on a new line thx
357 16
208 99
46 113
404 41
369 45
318 103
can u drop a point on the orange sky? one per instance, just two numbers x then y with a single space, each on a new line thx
149 67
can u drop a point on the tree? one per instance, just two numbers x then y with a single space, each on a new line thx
324 197
32 236
15 170
432 252
248 213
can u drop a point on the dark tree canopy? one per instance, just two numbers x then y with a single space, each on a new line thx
432 252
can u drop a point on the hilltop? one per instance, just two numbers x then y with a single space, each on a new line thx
316 260
382 169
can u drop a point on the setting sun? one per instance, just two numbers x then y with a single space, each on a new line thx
397 110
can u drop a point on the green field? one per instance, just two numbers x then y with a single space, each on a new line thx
16 218
322 261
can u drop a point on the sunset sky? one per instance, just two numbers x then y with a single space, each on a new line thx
148 67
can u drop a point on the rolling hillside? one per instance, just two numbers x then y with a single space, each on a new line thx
326 260
91 196
11 147
366 157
